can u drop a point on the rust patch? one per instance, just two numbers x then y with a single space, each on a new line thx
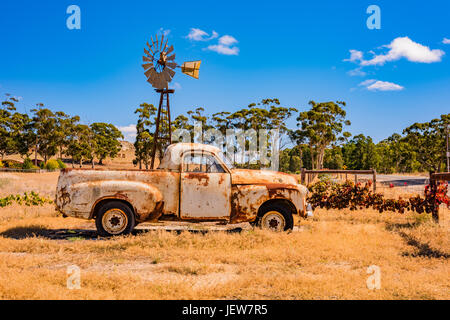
155 214
241 212
277 190
64 197
199 176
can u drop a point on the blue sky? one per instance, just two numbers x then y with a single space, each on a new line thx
292 50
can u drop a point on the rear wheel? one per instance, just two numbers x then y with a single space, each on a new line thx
275 217
114 218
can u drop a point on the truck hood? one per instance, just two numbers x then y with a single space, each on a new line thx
246 176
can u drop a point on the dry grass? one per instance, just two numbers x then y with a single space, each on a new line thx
326 258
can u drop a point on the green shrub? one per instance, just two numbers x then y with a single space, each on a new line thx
52 165
61 164
28 164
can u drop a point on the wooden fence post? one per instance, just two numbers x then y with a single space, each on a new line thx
374 180
302 175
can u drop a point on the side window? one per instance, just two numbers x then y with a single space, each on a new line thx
197 162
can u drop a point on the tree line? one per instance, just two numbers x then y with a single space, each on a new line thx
319 140
54 134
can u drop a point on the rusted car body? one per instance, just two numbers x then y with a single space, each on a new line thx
192 183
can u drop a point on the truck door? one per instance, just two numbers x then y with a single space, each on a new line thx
205 191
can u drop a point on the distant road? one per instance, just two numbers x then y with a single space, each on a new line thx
398 180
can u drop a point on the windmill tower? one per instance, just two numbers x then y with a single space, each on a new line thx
159 65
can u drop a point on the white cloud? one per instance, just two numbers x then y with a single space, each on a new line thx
200 35
365 83
403 47
356 73
227 40
446 41
224 45
222 49
377 85
355 55
129 132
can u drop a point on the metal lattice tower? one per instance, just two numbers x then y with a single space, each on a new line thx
163 132
159 65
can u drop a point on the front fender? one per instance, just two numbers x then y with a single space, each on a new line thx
247 199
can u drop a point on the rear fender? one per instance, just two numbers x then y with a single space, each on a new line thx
144 198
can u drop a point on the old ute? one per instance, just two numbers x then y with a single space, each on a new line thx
193 183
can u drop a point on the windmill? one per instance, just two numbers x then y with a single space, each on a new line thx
159 65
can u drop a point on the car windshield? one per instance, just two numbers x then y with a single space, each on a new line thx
225 160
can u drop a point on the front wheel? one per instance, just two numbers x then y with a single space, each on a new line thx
114 218
276 217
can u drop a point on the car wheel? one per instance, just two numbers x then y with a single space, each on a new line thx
114 218
276 217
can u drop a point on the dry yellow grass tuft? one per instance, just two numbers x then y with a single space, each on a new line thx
326 257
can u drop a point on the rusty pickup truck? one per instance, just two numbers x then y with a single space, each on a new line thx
194 182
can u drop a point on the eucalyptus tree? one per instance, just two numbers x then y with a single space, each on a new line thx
144 138
321 126
46 138
107 142
427 141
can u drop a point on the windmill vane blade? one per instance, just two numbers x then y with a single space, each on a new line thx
159 63
166 76
147 66
171 65
170 71
147 59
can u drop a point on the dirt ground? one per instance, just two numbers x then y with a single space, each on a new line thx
325 257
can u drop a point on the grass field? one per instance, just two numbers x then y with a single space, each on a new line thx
326 257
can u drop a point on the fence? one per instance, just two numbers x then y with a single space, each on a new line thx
305 175
27 170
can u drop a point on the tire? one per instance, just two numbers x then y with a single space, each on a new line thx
114 218
275 217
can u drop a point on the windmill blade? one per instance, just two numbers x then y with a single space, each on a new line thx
147 66
157 42
170 50
171 65
166 75
153 44
159 83
170 71
148 53
165 46
153 75
150 47
162 41
149 72
172 57
147 59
